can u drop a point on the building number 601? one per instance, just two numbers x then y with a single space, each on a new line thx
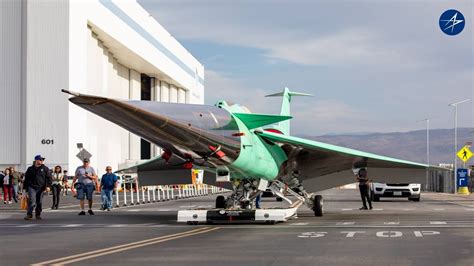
47 141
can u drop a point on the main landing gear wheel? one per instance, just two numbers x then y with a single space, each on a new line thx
220 202
318 205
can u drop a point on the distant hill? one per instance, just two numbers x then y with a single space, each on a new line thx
405 145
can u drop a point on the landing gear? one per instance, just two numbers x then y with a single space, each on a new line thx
318 205
220 202
242 197
314 202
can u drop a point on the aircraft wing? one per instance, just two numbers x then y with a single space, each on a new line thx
323 166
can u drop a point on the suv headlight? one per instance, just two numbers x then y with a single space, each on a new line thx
378 189
416 189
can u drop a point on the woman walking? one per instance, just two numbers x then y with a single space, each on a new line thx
57 178
7 187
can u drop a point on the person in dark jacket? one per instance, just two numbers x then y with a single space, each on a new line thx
37 181
364 188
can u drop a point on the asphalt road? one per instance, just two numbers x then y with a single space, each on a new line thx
439 230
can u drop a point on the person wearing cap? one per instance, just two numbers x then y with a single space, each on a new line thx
108 183
37 181
85 186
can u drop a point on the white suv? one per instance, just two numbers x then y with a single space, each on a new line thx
410 191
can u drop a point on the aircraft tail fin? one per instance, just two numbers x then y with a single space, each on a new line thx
284 126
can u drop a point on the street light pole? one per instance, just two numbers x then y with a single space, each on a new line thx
427 148
455 105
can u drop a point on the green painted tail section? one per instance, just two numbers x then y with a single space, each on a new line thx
284 126
259 120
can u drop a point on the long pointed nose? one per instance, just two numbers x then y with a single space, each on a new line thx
168 125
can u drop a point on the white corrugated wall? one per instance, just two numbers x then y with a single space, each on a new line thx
46 74
10 82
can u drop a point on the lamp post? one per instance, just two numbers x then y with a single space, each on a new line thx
427 148
455 105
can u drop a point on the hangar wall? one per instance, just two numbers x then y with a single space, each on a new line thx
98 47
10 81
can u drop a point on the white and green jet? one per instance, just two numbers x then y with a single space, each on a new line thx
251 151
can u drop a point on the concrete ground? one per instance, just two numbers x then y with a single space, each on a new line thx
439 230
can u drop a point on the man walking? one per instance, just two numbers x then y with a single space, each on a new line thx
364 188
86 178
37 181
108 183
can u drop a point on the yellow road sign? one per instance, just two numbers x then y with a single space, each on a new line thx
464 154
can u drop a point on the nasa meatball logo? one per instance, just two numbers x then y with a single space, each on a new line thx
451 22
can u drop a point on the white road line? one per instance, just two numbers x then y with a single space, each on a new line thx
346 209
374 209
345 223
299 224
72 225
437 222
391 223
27 225
439 209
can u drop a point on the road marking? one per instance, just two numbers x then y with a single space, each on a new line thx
438 209
117 225
391 223
352 233
437 222
299 224
345 223
27 225
377 209
124 247
425 233
312 234
346 209
72 225
389 234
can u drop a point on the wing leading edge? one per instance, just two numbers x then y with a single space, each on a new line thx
323 166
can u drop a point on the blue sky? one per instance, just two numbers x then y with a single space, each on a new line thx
372 66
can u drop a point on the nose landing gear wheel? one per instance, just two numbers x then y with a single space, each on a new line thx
220 202
318 205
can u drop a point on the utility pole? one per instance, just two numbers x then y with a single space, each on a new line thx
427 149
455 105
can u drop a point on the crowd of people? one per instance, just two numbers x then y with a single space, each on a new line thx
39 179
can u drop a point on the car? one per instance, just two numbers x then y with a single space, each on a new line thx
397 190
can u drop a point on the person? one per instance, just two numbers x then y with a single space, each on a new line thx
37 181
364 188
7 187
57 177
2 175
65 182
86 177
258 199
16 182
108 183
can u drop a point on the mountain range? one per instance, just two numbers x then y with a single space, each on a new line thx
405 145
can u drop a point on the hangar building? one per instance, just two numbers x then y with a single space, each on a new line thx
99 47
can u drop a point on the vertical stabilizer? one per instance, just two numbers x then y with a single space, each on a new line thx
284 126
